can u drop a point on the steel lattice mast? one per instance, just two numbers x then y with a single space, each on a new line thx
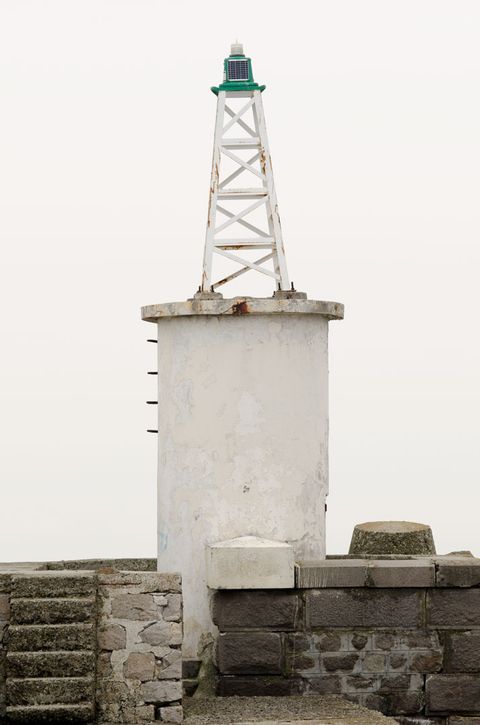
258 192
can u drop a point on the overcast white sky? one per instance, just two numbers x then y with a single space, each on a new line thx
106 127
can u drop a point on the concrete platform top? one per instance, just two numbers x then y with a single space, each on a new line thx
243 306
314 710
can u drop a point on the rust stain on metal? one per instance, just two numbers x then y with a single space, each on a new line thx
240 308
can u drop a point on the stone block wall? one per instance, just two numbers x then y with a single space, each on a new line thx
90 645
139 647
402 637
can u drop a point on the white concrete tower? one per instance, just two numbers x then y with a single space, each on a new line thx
242 381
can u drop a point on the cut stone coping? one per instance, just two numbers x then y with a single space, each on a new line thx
418 572
250 562
242 306
328 709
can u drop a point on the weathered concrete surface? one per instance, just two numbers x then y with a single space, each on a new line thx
314 710
391 537
243 432
243 306
249 562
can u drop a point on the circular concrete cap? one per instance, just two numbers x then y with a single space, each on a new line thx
241 306
392 537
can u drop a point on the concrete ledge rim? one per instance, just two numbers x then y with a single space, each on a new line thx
240 306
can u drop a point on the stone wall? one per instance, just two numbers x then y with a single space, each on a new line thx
399 636
139 675
84 645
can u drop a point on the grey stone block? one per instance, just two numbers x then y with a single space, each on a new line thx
324 685
405 702
393 682
161 691
50 584
256 610
52 611
427 662
249 653
162 634
409 573
259 686
50 664
134 606
453 694
50 691
406 640
360 683
51 713
463 572
462 652
453 608
331 573
344 662
364 608
31 638
373 662
457 720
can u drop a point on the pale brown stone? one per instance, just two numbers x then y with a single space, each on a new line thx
172 714
162 633
173 610
139 666
134 606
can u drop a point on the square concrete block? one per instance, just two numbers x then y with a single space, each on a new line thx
249 562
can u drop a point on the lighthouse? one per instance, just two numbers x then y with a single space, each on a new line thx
242 380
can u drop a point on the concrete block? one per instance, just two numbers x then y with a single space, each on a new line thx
462 652
364 608
254 610
249 562
453 608
32 638
453 694
331 573
398 573
249 653
50 664
457 572
52 611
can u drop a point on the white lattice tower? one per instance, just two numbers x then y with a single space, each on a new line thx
256 193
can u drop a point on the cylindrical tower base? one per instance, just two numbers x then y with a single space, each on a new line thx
243 432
